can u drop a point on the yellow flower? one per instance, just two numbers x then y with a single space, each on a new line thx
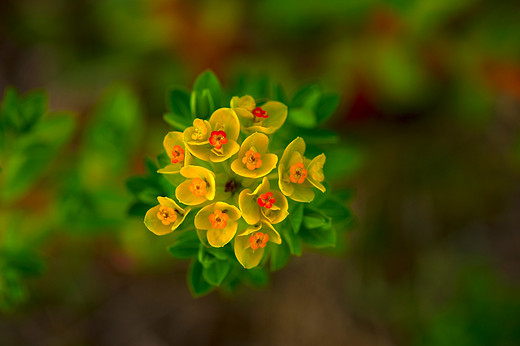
199 188
214 140
219 222
293 172
175 148
253 159
250 244
165 217
263 204
266 119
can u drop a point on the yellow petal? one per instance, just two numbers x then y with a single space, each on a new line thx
315 172
245 102
220 237
185 196
225 119
247 257
202 218
302 193
249 207
153 223
172 139
229 149
279 210
172 168
277 112
274 236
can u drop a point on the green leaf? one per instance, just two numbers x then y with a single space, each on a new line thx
296 216
337 210
280 255
178 101
324 236
139 209
208 81
302 117
178 122
327 105
307 97
186 244
257 276
289 236
216 272
319 136
196 282
32 108
202 105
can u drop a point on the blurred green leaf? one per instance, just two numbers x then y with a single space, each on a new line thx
32 154
327 105
186 244
196 282
208 81
179 122
216 272
257 277
302 117
179 102
324 236
280 255
296 216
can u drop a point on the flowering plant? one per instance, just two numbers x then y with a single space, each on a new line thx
231 191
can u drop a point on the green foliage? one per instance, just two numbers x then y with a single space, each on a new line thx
30 140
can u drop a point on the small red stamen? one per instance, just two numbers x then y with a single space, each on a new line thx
266 200
218 138
260 113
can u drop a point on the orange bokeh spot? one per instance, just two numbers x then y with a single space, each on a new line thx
167 215
258 239
266 200
218 219
252 160
198 187
218 139
177 154
298 173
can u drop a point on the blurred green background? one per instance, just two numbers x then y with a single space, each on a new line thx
430 125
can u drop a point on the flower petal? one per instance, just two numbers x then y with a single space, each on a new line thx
247 257
153 223
220 237
225 119
185 196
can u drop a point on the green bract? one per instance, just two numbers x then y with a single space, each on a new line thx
236 170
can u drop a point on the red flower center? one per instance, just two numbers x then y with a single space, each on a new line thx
260 113
266 200
218 139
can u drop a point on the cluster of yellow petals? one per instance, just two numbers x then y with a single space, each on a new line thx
214 142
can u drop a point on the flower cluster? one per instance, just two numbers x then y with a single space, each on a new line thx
236 181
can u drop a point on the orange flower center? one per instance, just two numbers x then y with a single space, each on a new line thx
200 129
258 239
266 200
298 173
167 215
219 219
252 159
177 154
198 187
218 139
